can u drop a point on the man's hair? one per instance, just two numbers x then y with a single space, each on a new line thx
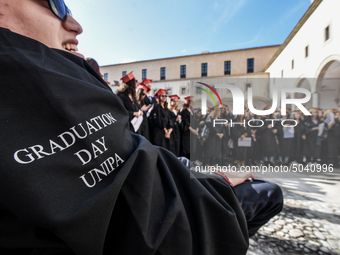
93 63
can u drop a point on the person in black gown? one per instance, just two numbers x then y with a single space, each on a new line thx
177 122
127 93
161 119
142 89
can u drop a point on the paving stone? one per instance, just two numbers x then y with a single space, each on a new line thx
311 247
280 222
295 233
325 250
319 235
280 234
306 250
334 245
314 243
317 224
324 244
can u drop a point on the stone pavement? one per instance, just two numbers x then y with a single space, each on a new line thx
310 220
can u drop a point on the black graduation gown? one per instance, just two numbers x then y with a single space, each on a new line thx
239 153
176 134
286 145
330 147
311 148
298 151
130 106
144 127
161 119
254 151
213 146
267 139
75 179
186 133
226 151
150 101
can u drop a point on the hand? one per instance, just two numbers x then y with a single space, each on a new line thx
239 178
274 131
270 126
170 131
167 134
242 137
144 108
304 137
179 117
136 114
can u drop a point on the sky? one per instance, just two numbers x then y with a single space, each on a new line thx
121 31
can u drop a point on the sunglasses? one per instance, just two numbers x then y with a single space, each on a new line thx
164 96
59 8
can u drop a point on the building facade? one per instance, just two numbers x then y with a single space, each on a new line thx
310 56
179 75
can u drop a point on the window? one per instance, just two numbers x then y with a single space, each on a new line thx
281 73
123 73
293 64
106 77
184 91
183 71
326 33
306 52
155 91
248 85
250 65
198 90
204 69
162 73
144 74
168 91
227 67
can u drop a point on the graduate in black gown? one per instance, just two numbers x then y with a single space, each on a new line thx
212 149
142 105
162 123
149 100
330 146
189 132
299 131
177 124
238 133
127 93
285 136
267 138
312 144
76 180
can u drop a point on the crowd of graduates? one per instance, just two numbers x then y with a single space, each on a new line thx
272 139
163 123
233 140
